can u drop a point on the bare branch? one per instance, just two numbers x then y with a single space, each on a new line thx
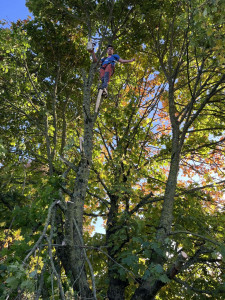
145 201
43 233
99 198
194 234
68 163
200 188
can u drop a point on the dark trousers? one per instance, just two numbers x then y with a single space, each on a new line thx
105 73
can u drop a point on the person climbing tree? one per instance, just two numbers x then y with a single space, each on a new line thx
108 66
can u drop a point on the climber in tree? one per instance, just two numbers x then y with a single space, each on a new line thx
108 66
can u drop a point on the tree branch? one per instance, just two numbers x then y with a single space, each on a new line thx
43 232
194 234
192 288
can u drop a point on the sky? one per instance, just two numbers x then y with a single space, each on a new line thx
12 10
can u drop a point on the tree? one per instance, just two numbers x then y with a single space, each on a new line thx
149 162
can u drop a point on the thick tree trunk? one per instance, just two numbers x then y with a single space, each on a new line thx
72 256
168 204
78 198
148 289
116 289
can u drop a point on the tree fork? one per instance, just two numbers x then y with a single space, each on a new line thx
149 289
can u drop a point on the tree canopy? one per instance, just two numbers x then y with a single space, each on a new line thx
149 164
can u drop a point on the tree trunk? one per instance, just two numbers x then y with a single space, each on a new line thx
149 288
116 290
72 256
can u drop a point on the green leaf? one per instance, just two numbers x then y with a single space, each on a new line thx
164 278
158 269
27 285
12 282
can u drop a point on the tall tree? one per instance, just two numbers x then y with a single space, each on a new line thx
149 162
